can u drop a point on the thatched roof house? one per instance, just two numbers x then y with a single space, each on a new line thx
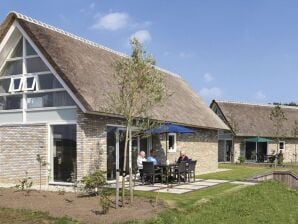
253 120
52 88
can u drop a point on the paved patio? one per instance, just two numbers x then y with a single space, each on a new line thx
183 187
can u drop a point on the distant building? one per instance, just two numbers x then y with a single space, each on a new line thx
251 121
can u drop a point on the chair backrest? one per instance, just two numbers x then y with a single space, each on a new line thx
181 166
148 167
192 165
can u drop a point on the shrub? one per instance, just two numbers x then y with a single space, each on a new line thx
241 159
93 182
25 184
105 201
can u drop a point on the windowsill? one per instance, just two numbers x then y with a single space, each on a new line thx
61 183
51 108
11 111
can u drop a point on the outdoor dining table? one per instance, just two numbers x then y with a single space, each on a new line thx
167 170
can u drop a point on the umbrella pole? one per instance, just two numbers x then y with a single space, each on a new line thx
256 151
166 146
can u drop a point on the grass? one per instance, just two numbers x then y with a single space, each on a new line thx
238 172
268 202
22 216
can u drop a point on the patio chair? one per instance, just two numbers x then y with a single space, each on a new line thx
150 172
179 171
191 170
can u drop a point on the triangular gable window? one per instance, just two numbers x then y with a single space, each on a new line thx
24 74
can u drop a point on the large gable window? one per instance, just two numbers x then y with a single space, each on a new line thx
26 81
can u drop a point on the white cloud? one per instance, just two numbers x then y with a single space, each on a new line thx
260 95
185 55
112 21
211 93
208 77
142 35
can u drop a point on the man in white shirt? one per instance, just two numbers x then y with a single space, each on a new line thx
141 158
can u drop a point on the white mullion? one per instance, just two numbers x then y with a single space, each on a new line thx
24 82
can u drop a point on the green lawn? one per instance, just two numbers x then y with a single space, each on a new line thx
268 202
21 216
238 172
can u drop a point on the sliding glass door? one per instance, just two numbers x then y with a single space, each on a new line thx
63 153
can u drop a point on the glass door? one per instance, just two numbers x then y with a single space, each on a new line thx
64 153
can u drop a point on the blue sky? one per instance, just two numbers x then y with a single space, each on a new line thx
244 50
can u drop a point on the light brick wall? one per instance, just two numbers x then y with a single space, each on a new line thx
202 146
289 153
92 142
19 146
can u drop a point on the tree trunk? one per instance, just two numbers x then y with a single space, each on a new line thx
124 163
130 167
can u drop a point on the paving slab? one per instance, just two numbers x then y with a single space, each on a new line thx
191 187
205 183
174 190
146 188
216 181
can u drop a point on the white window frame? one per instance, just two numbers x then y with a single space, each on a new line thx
34 84
12 88
284 143
175 142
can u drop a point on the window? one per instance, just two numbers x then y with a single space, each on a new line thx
4 85
30 83
11 102
282 145
172 142
36 65
12 68
16 85
29 49
48 81
52 99
18 51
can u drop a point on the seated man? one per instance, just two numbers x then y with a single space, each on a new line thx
152 157
183 157
141 158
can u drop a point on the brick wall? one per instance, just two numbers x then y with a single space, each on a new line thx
19 146
202 146
92 142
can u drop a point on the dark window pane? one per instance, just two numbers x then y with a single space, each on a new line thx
18 51
11 102
48 81
4 85
29 49
17 84
36 65
64 152
30 82
12 68
55 99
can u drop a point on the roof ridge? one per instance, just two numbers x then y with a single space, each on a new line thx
254 104
86 41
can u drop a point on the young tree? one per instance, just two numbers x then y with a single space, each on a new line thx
140 87
278 117
295 135
235 129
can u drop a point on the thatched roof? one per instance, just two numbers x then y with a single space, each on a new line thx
87 68
254 119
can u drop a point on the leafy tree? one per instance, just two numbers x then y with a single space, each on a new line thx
140 87
278 117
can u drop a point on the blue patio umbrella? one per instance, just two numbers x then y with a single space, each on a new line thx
170 128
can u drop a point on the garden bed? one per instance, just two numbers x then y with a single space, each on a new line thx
83 208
